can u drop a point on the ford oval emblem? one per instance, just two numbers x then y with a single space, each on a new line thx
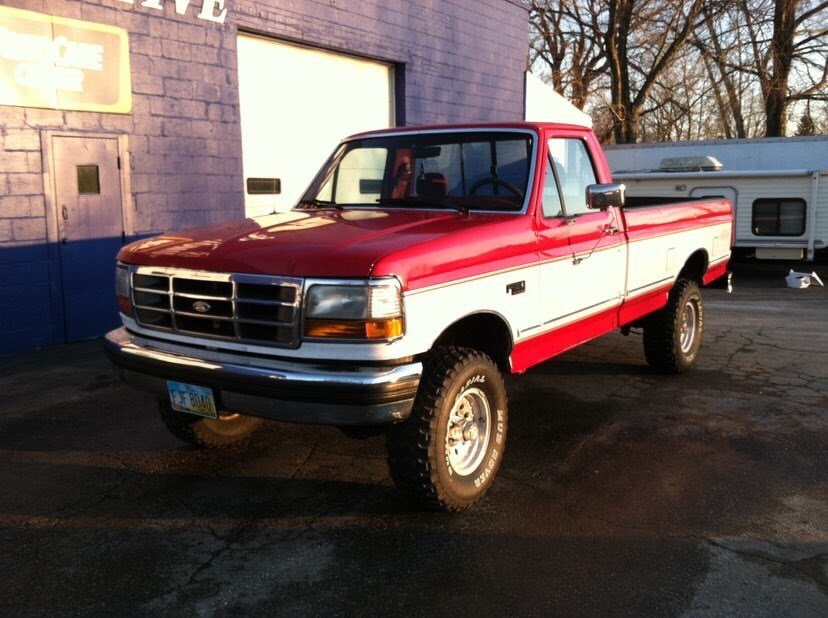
201 307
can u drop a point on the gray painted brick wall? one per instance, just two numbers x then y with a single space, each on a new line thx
463 61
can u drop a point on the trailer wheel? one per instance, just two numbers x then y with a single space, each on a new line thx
228 430
673 335
447 453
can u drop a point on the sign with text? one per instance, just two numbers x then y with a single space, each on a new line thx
209 10
59 63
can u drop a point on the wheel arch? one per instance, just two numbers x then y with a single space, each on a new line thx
695 266
485 331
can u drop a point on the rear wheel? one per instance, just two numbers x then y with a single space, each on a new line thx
227 430
673 335
447 453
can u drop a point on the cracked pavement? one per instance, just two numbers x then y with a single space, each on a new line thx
622 492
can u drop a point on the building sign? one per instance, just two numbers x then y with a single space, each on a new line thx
208 10
62 63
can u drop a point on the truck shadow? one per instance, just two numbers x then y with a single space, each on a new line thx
87 446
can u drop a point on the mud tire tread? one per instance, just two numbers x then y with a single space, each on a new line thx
411 447
661 345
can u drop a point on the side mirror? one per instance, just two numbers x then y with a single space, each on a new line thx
601 197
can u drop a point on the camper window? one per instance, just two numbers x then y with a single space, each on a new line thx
779 217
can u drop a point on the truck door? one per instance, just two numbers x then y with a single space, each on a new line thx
582 251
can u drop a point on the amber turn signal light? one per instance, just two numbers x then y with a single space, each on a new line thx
354 329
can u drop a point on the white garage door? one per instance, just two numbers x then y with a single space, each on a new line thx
296 105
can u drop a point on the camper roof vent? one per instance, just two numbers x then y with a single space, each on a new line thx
690 164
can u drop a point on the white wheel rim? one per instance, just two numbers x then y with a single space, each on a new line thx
468 431
689 326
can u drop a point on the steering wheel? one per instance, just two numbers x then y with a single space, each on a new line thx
497 182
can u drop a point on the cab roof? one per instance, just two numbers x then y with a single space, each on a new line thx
482 126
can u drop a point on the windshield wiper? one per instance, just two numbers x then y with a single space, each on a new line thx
315 203
422 201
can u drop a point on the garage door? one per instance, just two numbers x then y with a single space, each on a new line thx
296 105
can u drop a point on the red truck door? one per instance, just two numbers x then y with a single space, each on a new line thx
582 252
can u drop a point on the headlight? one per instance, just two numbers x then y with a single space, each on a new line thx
368 311
347 302
122 288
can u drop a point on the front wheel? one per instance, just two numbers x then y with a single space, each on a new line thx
672 336
447 453
226 431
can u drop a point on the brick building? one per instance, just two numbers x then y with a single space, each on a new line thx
123 118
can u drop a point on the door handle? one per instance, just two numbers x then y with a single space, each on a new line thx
611 230
65 213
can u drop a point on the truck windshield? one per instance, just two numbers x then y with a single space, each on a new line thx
471 170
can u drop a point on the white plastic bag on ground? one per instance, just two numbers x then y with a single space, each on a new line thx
802 280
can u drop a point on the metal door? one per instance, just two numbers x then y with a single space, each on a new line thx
90 231
725 192
285 137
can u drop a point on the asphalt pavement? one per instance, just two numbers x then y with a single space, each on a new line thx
622 492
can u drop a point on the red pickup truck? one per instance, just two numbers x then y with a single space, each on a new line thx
420 266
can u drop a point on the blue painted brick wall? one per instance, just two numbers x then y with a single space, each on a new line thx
463 61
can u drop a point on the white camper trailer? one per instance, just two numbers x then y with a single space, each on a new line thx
779 187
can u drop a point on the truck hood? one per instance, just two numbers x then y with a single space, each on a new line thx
339 243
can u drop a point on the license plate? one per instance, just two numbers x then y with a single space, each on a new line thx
192 399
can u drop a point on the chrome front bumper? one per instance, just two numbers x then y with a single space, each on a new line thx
301 392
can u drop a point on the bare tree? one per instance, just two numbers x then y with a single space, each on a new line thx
678 107
567 43
642 39
719 43
779 46
798 36
625 45
670 69
820 118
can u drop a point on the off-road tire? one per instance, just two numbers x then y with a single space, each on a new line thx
673 335
442 462
227 431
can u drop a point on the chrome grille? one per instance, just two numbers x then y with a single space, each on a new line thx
235 307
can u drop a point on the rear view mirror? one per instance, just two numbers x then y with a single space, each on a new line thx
427 152
601 197
370 186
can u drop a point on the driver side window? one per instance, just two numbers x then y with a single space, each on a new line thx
574 171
